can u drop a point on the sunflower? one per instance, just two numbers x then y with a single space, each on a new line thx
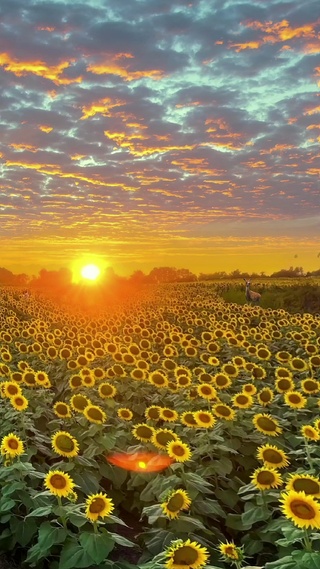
272 456
267 424
265 478
295 400
179 451
158 378
98 506
62 410
284 384
65 444
283 357
29 378
11 388
79 402
88 381
186 555
19 402
169 415
176 501
124 413
11 446
302 509
304 483
230 369
263 353
162 437
59 483
143 432
204 419
95 414
242 400
152 412
222 381
315 361
249 388
310 433
183 381
42 379
187 418
206 391
310 386
258 372
298 364
107 391
224 411
265 396
75 381
230 551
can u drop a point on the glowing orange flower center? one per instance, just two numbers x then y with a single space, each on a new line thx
302 510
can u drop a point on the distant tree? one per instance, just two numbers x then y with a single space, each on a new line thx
163 275
186 276
289 273
138 278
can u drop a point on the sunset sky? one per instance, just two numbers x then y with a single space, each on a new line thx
147 133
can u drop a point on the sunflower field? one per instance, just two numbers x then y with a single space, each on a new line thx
171 430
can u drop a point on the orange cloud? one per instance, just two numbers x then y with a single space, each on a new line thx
24 147
103 107
45 128
39 68
114 69
54 170
247 45
126 140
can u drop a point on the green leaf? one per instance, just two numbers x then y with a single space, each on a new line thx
255 514
73 555
23 529
43 511
11 488
49 535
97 545
121 540
6 504
77 520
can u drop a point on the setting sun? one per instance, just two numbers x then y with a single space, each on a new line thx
90 272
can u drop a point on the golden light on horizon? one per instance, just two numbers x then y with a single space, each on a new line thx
90 272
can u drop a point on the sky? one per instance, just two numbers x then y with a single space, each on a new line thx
146 133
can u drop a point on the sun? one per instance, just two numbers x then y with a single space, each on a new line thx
90 272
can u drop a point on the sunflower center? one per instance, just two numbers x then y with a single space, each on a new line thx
153 413
13 444
18 401
178 450
58 481
204 418
298 364
62 409
80 403
284 384
97 506
265 396
272 456
242 399
95 414
306 485
175 503
310 385
186 555
294 398
223 410
206 390
267 424
221 381
165 438
302 510
65 443
189 418
13 390
144 432
265 477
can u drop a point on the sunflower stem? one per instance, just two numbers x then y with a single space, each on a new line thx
95 527
62 518
264 501
307 541
309 459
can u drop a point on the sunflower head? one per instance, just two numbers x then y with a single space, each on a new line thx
186 555
11 446
65 444
59 483
176 501
179 451
302 509
230 551
306 483
265 478
98 506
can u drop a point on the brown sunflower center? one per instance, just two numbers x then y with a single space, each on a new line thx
175 503
298 364
185 555
206 390
80 403
265 396
306 485
242 399
310 385
58 481
97 506
18 401
272 456
13 444
95 414
204 417
294 398
144 432
62 409
164 438
153 413
302 510
178 450
13 389
267 424
65 443
265 477
224 411
189 418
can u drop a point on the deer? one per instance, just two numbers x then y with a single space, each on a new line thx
252 296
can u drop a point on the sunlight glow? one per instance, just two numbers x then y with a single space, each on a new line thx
90 272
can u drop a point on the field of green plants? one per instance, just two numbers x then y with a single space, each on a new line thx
173 430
